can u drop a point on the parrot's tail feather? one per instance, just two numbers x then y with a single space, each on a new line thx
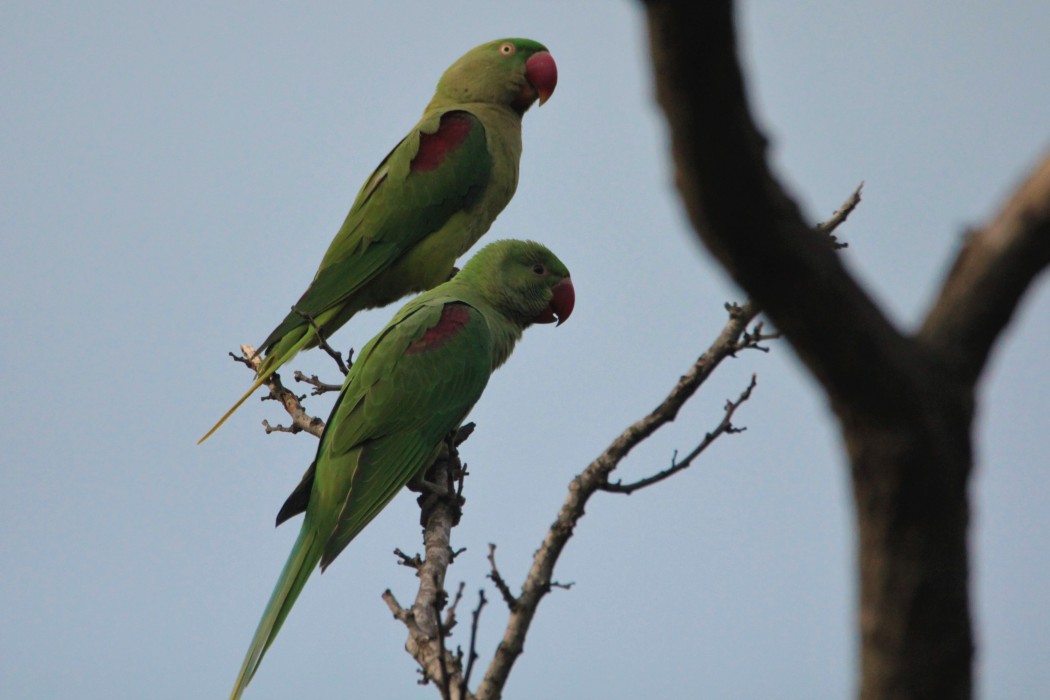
301 563
271 364
255 385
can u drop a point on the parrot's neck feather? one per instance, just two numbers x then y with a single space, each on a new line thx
505 334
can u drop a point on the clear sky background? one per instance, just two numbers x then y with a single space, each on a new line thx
169 178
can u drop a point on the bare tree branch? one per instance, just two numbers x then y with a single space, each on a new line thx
992 271
319 386
725 426
840 215
501 584
425 631
413 562
301 421
443 680
450 612
472 654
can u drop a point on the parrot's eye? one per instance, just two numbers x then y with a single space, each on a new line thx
539 269
507 49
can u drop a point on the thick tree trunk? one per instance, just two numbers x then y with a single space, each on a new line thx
910 493
905 403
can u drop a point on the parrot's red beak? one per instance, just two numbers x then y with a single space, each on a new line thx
561 305
542 73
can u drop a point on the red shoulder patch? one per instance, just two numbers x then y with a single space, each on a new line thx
433 148
453 318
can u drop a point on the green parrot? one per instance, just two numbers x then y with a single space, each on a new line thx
428 202
409 388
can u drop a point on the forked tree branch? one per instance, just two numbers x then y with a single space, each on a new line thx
725 426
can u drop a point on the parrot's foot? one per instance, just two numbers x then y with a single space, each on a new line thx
419 484
431 500
441 484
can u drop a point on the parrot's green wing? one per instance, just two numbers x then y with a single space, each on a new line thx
434 173
418 381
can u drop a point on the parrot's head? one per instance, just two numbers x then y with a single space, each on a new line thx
524 280
511 72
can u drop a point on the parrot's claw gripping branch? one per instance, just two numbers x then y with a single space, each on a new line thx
442 482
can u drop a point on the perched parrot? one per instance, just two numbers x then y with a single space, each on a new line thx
409 388
429 200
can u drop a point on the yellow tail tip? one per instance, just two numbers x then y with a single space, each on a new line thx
255 385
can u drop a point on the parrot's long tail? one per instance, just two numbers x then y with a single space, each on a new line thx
277 357
301 563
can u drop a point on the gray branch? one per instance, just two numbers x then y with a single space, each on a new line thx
426 642
292 403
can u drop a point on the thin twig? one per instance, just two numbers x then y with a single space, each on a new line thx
501 585
319 386
450 611
840 215
472 654
245 359
292 403
412 562
752 340
724 427
267 428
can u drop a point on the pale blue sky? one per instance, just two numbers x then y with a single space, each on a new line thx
170 178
